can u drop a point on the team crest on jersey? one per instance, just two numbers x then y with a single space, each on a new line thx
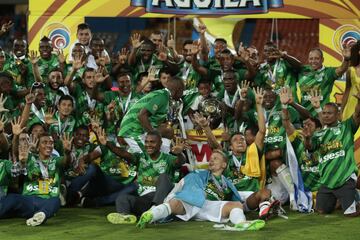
155 107
336 131
276 117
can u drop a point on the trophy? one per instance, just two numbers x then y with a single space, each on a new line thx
173 115
210 107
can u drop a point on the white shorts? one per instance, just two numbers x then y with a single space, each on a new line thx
244 195
278 191
135 148
211 211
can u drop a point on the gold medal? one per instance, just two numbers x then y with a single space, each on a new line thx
44 186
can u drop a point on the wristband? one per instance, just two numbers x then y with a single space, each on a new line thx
284 106
318 110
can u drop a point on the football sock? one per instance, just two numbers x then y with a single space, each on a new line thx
237 216
161 211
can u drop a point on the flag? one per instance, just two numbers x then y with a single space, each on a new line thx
303 197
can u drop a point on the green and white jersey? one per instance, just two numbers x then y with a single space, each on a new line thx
12 105
43 176
190 77
275 132
53 96
229 100
36 116
61 126
73 170
78 75
308 163
123 104
277 75
5 176
46 66
321 80
335 148
12 66
141 67
86 106
237 177
116 167
156 103
149 170
217 190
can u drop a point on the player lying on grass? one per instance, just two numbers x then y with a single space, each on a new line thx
204 195
244 167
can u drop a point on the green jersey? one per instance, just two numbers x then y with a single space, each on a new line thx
235 175
53 96
277 75
78 75
36 116
156 103
86 106
190 77
12 66
321 80
46 66
141 67
229 100
74 168
61 126
122 105
12 105
116 167
308 163
43 176
335 146
149 170
217 189
5 176
275 132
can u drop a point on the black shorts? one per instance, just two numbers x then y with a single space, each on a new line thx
326 197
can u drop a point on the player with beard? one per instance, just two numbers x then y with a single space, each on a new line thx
187 73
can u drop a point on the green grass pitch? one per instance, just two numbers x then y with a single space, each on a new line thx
74 223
